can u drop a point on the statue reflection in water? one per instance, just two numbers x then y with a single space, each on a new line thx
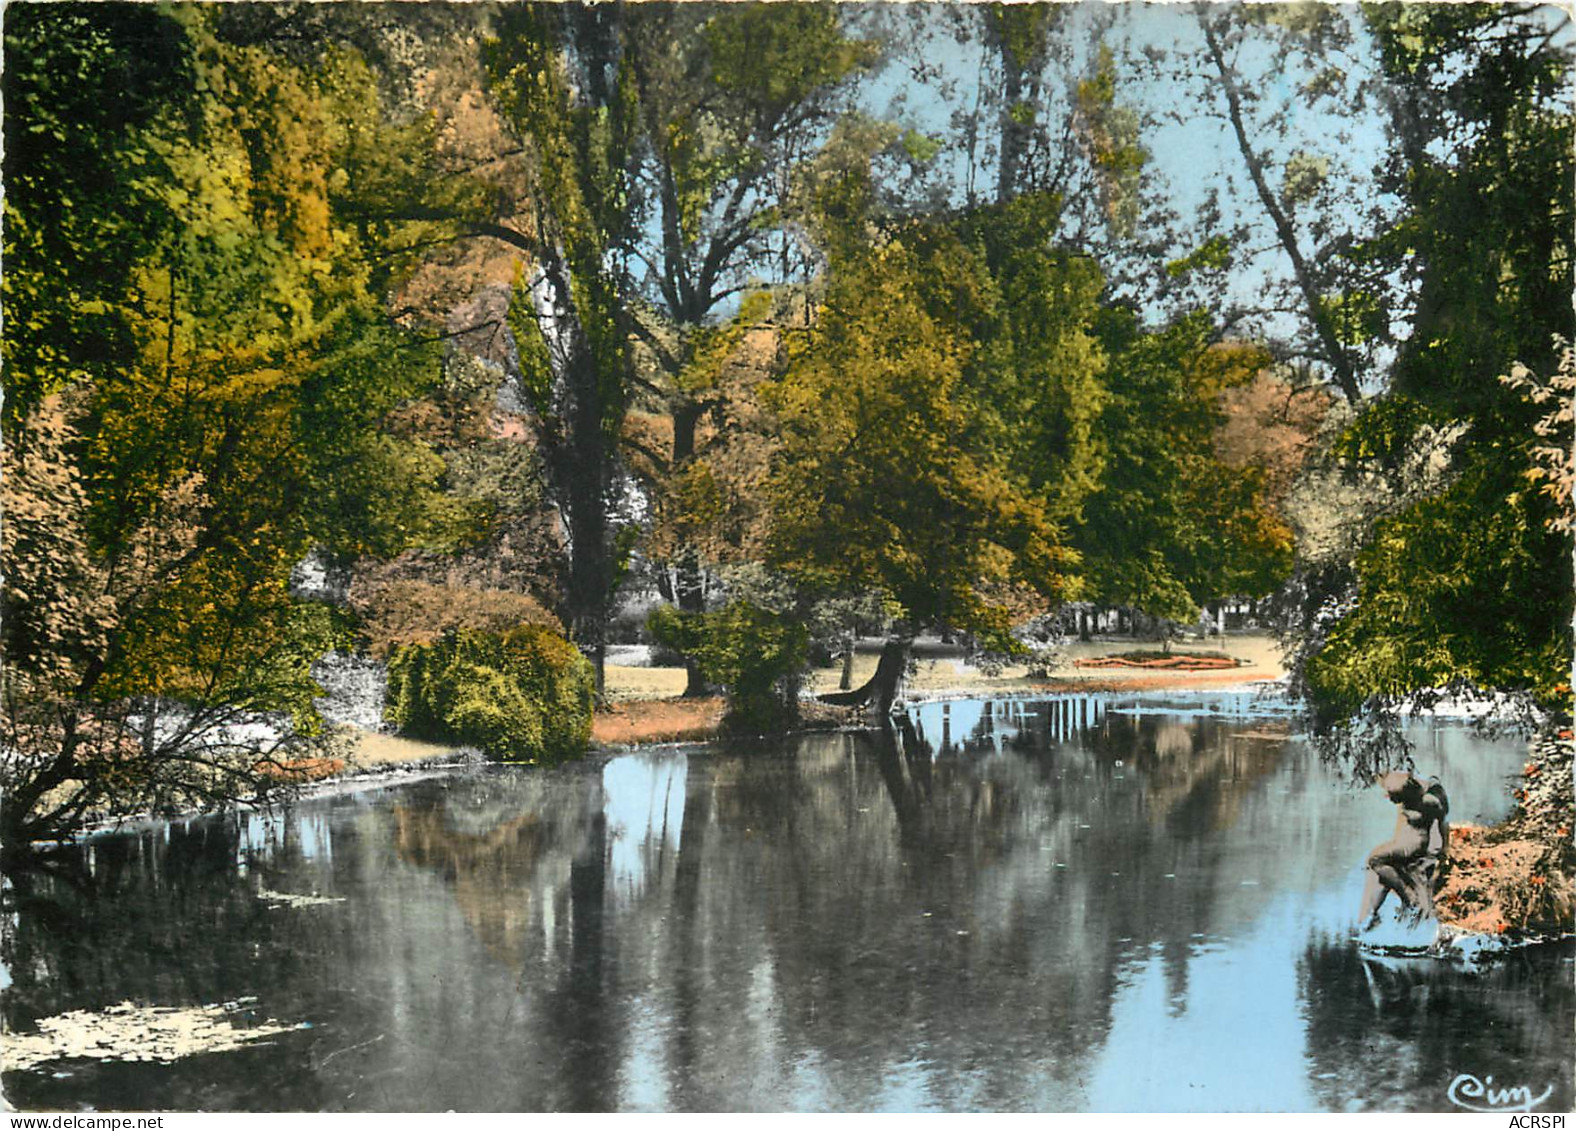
1412 862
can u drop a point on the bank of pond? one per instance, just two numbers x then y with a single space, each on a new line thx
1097 902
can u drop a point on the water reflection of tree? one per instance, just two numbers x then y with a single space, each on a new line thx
507 878
112 927
903 896
1391 1034
492 873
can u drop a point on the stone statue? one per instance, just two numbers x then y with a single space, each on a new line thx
1412 862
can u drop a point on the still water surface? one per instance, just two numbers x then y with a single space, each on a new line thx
1078 903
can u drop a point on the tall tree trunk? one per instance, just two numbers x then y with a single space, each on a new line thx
1018 33
689 588
1014 133
578 458
582 464
691 599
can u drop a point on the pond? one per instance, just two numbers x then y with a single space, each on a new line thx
1078 903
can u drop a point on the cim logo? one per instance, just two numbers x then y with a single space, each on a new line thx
1467 1091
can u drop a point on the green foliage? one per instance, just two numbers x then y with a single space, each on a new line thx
1020 31
581 138
1214 254
1111 133
1553 453
1470 586
753 652
490 471
98 649
536 371
252 352
1383 431
890 476
87 90
683 632
280 680
773 59
1486 166
1036 371
1172 525
937 423
261 361
1355 316
522 695
921 148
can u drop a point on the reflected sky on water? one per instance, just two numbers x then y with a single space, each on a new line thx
1081 903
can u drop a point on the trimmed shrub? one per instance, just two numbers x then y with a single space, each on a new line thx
756 654
522 695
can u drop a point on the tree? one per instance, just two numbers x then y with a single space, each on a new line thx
1443 599
1039 114
709 506
734 99
658 171
1020 35
1468 584
1482 160
1336 320
1039 372
756 653
106 712
881 483
560 75
231 422
1173 524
